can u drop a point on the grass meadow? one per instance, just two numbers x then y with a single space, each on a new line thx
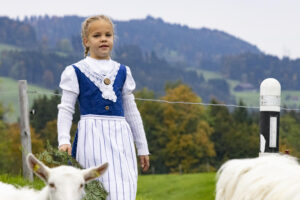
289 98
198 186
7 47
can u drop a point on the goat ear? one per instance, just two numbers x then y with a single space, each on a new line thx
95 172
38 167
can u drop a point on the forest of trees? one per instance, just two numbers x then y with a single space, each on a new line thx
173 42
193 138
254 68
17 33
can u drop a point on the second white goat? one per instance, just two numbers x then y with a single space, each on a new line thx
268 177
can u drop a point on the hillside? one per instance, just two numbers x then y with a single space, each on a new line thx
17 33
253 69
181 43
289 98
9 96
175 43
44 68
157 52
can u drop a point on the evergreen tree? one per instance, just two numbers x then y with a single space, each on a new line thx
240 114
232 139
45 115
45 110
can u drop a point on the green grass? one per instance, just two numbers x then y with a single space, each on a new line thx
206 74
177 187
19 181
9 96
156 187
290 99
249 98
6 47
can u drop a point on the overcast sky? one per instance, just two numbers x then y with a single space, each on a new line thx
272 25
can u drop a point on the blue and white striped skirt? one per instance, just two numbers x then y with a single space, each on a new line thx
109 139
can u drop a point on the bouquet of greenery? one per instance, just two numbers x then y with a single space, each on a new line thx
53 157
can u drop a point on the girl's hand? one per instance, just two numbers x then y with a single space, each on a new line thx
145 163
65 147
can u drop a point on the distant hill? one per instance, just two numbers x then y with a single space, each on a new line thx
157 52
17 33
176 43
180 43
253 68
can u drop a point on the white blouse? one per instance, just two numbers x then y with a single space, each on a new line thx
94 69
99 67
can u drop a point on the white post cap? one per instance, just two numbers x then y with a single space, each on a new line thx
270 91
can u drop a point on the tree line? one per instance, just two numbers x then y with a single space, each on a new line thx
17 33
44 67
190 138
151 34
254 68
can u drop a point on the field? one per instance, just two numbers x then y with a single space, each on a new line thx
6 47
177 187
9 96
290 99
157 187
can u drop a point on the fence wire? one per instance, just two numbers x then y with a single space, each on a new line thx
162 101
179 102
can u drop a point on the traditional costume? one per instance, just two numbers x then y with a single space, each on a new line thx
110 122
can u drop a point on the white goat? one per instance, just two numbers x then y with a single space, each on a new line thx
268 177
62 183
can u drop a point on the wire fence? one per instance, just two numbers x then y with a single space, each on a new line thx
179 102
164 101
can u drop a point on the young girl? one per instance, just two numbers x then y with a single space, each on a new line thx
110 122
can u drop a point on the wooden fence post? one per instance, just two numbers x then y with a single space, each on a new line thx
25 128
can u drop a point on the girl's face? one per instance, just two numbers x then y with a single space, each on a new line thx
100 39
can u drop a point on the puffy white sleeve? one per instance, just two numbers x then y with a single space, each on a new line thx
132 115
68 80
66 108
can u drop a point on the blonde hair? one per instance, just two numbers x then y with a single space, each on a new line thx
85 28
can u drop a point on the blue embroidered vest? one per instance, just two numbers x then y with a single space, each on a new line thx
90 97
